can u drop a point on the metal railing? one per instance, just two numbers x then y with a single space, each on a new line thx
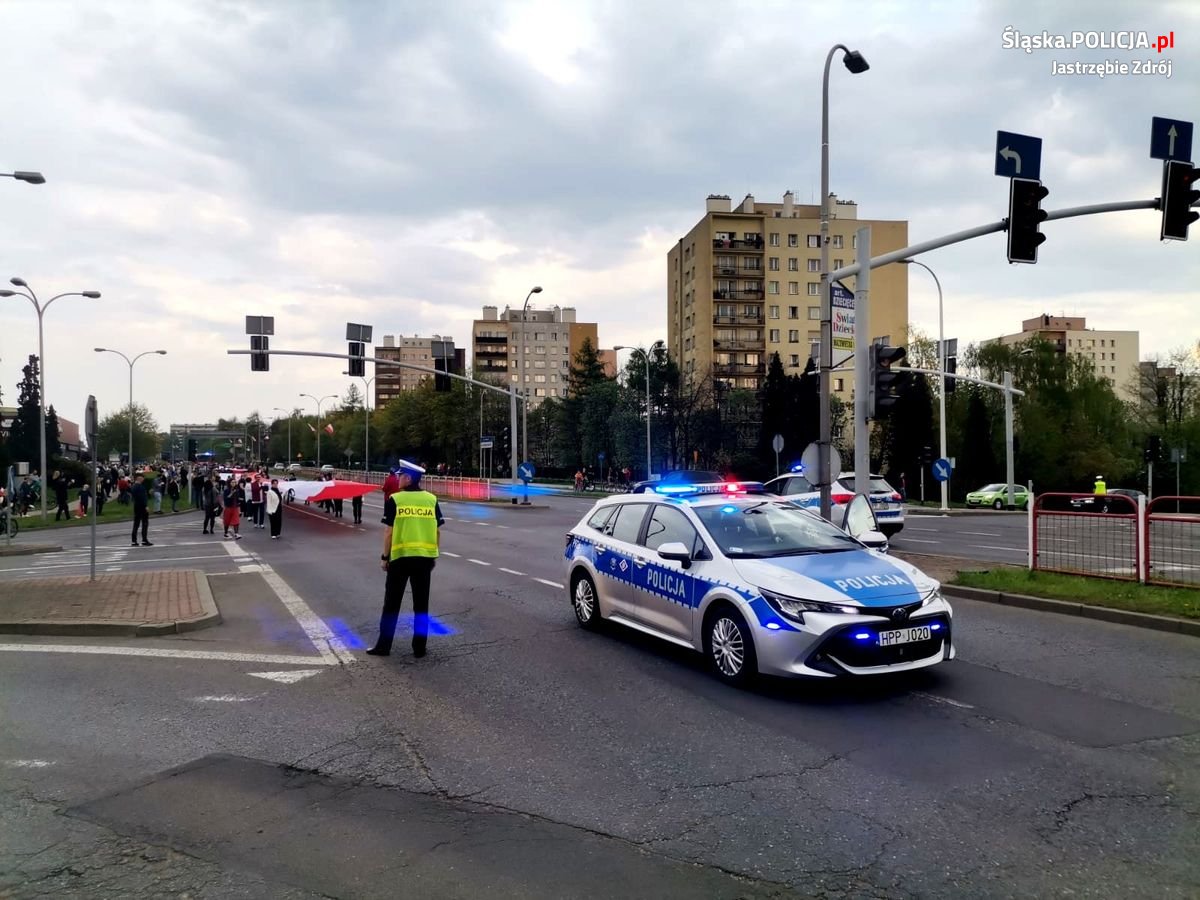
1172 551
1082 534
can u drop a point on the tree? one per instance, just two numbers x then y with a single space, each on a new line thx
23 442
353 399
112 435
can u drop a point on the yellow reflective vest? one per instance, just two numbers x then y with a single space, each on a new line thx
414 531
1101 488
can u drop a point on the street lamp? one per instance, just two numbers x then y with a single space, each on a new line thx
131 362
655 346
525 390
41 310
941 378
856 64
366 418
289 415
30 177
319 402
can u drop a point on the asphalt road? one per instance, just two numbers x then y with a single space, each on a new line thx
1055 757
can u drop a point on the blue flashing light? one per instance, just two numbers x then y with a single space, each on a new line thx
675 489
798 467
773 626
863 636
936 626
728 509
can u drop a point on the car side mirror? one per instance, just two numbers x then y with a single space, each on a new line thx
676 551
875 540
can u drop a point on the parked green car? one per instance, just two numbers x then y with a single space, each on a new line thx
996 496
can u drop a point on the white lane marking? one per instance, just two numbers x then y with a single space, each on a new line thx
252 567
919 541
511 571
980 533
553 584
28 763
112 569
936 699
223 698
286 677
501 526
478 562
280 659
166 560
918 528
328 644
448 553
993 547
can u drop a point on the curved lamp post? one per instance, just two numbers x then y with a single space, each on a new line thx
366 419
29 177
41 311
941 378
645 355
524 390
130 363
319 401
856 64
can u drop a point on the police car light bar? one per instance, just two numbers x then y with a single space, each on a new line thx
724 487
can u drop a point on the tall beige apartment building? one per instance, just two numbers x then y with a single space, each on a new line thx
420 351
745 283
546 339
1113 354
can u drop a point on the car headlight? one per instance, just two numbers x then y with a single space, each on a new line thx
932 597
794 608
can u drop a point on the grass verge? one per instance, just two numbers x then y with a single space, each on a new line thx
113 512
1160 601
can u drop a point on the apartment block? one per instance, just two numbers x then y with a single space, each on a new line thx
545 339
1113 354
436 352
745 282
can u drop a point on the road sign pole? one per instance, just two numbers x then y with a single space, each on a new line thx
1008 437
862 364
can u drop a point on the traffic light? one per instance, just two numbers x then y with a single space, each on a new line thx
193 447
441 382
1153 449
887 381
951 368
259 360
1178 195
358 366
1025 214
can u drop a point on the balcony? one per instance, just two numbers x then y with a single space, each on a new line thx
737 295
720 345
738 369
737 320
501 339
491 354
753 246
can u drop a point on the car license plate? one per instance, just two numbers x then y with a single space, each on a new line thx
904 636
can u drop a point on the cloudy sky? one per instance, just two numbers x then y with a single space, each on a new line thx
404 163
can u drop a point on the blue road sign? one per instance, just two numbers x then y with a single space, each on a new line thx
941 469
1018 156
1170 139
525 471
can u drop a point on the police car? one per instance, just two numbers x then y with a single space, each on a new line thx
885 500
755 583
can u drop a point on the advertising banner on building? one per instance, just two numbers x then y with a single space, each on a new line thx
842 326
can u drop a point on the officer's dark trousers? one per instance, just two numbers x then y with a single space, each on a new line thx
141 518
418 569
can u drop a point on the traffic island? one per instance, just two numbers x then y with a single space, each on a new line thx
126 604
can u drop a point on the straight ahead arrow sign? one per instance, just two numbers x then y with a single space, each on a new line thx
286 677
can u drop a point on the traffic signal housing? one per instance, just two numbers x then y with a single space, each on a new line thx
1025 215
951 368
441 382
358 365
1178 195
888 381
259 360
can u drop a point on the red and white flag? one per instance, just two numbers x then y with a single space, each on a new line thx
328 428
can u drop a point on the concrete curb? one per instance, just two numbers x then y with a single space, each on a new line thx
1190 627
29 550
124 628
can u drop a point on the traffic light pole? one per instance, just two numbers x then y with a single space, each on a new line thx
862 365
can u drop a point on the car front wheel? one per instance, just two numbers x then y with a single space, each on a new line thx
729 647
999 504
585 601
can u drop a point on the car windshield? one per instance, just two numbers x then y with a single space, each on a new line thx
770 528
992 488
877 485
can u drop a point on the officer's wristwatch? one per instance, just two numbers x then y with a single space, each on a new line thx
384 557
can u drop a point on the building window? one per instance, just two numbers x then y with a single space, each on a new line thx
793 312
814 289
773 263
750 311
793 264
774 335
793 336
814 242
837 242
838 263
793 240
1101 342
725 309
794 360
515 378
774 240
752 359
772 287
854 241
774 311
814 265
539 379
539 392
814 313
793 288
839 384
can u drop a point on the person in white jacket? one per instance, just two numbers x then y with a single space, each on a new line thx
275 509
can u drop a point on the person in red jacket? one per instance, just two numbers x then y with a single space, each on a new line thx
391 485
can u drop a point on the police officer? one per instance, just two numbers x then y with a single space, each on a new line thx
1100 492
410 546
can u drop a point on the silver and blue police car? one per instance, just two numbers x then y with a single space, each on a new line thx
755 583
